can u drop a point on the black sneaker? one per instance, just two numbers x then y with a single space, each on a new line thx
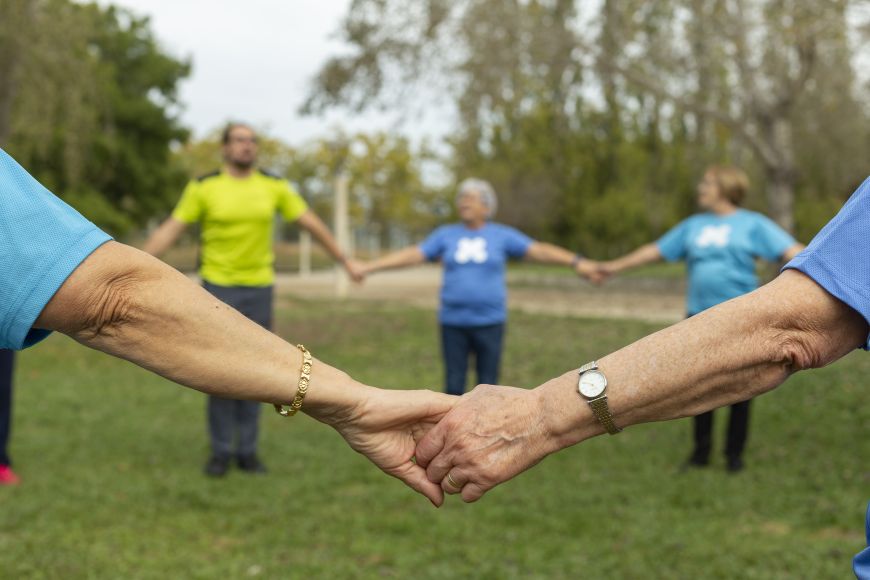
217 466
734 465
251 464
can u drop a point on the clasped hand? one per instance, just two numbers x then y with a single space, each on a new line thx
438 443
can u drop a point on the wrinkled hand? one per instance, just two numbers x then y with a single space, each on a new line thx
491 435
355 270
386 429
592 271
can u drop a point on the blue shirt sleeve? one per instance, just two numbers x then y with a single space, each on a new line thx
516 243
434 246
861 563
835 258
769 240
42 241
673 245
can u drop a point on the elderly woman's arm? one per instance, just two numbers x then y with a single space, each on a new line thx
792 251
730 353
126 303
646 254
410 256
552 254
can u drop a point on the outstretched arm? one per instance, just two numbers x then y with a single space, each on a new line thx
646 254
313 224
792 251
128 304
164 237
410 256
730 353
552 254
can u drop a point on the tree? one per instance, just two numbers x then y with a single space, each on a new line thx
92 107
748 66
598 117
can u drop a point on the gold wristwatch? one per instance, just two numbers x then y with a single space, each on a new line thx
592 386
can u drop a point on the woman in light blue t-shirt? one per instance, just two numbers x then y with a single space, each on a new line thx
720 246
474 254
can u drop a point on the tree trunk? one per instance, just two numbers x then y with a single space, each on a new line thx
780 196
782 174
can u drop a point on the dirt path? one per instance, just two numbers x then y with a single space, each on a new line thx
649 300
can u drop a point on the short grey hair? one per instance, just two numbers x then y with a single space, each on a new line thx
483 188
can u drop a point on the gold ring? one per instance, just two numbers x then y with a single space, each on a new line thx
452 482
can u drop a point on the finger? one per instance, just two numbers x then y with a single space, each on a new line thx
472 492
439 467
430 446
414 477
453 482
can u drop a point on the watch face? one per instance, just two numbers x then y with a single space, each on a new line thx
592 384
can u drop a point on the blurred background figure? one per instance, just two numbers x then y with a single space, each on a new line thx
7 360
720 247
235 208
473 307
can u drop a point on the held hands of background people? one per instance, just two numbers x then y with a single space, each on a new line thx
491 435
354 270
591 270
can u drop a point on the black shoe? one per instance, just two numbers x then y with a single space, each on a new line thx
251 464
217 466
734 465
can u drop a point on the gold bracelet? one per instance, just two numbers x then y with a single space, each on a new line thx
304 380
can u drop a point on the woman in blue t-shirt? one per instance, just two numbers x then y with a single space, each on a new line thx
720 247
474 253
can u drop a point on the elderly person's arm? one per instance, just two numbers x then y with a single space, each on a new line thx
792 251
410 256
730 353
646 254
551 254
128 304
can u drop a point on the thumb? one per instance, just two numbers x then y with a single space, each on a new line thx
430 445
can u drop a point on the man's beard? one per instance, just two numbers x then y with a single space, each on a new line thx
242 163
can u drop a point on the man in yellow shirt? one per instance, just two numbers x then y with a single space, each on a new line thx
235 207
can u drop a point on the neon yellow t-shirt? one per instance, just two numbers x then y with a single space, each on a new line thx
237 219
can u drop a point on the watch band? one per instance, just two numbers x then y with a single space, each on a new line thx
601 410
599 405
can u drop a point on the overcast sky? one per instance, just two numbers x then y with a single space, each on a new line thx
253 60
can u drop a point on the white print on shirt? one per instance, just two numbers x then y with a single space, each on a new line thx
471 250
714 236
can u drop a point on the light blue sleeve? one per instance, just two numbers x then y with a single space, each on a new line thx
861 563
434 246
837 259
770 241
516 243
42 241
673 245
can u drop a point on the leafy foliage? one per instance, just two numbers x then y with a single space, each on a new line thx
93 103
595 121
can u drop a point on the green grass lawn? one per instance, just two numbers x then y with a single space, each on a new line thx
111 456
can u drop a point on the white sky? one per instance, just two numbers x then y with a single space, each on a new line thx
253 60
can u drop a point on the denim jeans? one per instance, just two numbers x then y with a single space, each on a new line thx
458 342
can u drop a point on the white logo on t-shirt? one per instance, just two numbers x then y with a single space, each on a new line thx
471 250
714 236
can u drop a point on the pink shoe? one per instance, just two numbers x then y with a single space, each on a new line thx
7 476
